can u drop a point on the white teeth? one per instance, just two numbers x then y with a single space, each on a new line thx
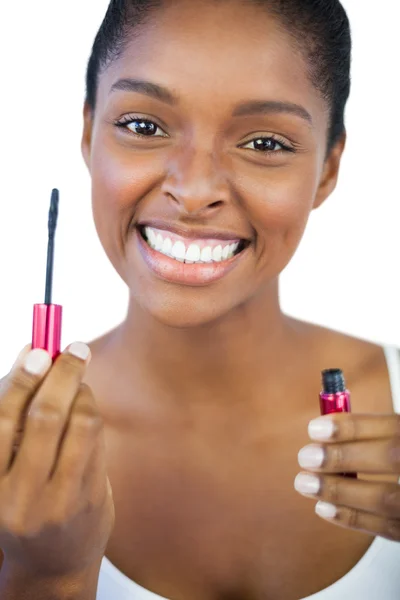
192 253
225 252
206 254
217 254
232 249
151 236
178 251
159 242
167 246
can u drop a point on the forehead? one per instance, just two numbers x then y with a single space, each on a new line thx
217 51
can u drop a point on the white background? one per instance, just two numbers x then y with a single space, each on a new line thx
345 274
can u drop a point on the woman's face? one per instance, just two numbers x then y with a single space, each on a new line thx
216 142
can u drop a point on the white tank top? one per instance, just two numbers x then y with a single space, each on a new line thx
376 576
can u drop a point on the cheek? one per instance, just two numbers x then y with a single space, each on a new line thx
120 180
281 205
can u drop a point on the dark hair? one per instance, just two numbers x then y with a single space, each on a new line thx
320 30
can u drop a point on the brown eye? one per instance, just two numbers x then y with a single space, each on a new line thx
140 127
267 144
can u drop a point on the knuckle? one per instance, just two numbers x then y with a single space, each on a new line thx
45 412
66 478
6 419
90 506
394 454
16 525
85 406
12 525
351 518
336 456
68 365
23 381
61 513
86 420
351 427
393 530
85 392
390 501
332 489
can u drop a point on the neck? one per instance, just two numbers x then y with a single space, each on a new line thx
223 359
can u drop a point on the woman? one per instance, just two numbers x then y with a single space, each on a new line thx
211 131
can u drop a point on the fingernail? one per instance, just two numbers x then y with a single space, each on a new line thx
311 456
306 483
321 429
37 362
326 510
80 350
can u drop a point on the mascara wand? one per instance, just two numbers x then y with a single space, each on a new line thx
47 317
53 215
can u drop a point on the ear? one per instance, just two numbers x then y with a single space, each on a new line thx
330 172
86 142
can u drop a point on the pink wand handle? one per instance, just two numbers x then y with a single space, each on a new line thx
333 403
336 403
46 330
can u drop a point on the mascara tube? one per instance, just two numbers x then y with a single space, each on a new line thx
46 330
47 317
334 397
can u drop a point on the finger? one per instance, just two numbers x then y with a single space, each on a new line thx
382 499
18 362
94 482
47 418
379 457
5 381
346 427
21 357
17 365
82 439
18 389
358 520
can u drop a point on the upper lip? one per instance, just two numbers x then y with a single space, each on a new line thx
193 233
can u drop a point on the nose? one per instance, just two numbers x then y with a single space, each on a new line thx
196 183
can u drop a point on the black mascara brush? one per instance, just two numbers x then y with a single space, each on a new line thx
47 317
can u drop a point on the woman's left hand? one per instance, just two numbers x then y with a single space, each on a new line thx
351 443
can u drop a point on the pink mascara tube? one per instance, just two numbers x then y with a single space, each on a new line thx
335 398
47 317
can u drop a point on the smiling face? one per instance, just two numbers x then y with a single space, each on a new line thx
208 141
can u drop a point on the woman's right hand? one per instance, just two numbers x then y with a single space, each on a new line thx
56 506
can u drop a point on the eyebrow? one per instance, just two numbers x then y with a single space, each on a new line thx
257 107
145 87
252 107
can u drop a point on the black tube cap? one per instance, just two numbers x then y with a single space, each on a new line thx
333 381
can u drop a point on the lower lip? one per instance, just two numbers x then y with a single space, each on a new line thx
175 271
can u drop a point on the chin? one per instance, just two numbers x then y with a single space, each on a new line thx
183 309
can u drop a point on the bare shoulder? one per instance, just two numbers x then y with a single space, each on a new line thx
363 363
